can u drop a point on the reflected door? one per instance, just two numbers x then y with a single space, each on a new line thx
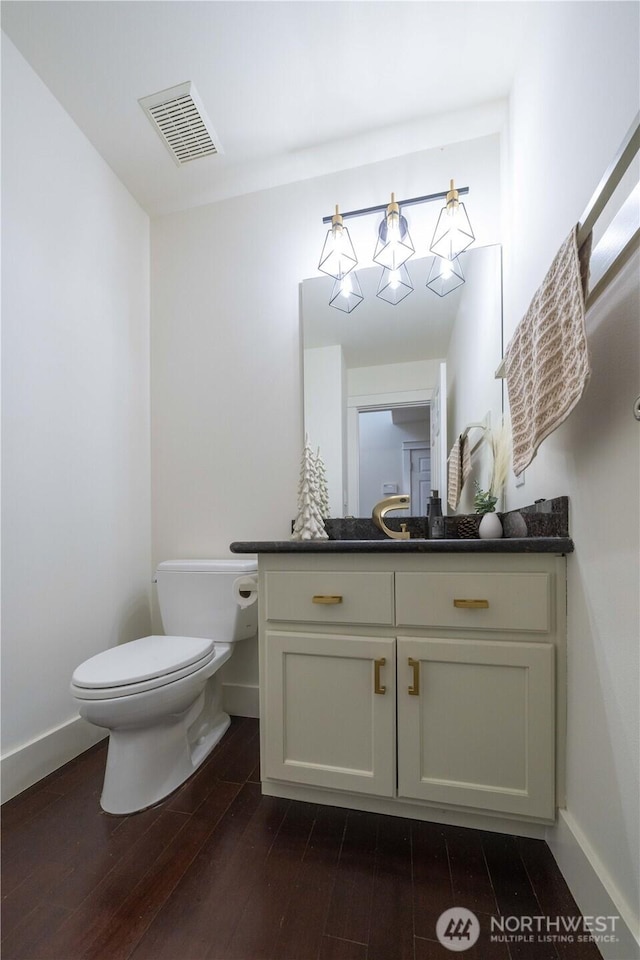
417 476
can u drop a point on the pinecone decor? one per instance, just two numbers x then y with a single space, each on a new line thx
468 527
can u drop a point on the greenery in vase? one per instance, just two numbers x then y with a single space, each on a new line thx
484 501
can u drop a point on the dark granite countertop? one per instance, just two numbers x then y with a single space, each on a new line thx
504 545
539 528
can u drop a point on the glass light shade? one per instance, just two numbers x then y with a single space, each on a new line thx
394 285
394 245
338 257
346 293
453 232
445 275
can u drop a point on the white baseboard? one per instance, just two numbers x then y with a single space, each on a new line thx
241 699
593 888
24 766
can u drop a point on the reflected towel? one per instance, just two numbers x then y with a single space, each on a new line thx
459 464
465 459
454 463
547 361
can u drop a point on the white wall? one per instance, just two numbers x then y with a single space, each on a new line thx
226 352
76 503
575 96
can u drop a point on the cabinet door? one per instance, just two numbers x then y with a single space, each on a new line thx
330 711
477 728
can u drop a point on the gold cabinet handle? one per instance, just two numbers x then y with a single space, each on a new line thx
414 689
471 604
326 598
377 686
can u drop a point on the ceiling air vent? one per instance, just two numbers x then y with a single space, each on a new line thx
179 118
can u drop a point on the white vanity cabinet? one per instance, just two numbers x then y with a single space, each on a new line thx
331 711
476 724
409 682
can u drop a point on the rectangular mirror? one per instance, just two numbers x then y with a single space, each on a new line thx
388 388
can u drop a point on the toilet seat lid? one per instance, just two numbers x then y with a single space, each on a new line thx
141 660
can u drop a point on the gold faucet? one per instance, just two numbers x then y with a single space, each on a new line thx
400 501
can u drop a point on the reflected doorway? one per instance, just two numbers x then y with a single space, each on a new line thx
394 456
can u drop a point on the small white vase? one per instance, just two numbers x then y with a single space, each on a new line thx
490 527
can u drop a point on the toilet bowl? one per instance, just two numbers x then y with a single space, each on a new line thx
160 696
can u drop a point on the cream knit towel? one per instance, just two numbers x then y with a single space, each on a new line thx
547 362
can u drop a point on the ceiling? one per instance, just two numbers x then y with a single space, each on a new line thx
293 89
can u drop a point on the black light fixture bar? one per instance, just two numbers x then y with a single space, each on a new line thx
402 203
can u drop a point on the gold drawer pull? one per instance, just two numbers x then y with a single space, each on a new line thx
471 604
377 686
414 689
326 598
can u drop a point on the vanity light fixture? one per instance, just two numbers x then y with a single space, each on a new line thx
394 245
394 285
445 275
338 257
453 232
346 293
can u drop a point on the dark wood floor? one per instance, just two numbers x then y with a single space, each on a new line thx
219 872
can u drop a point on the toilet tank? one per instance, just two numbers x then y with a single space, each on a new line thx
197 600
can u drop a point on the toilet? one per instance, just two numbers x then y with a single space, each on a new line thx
160 696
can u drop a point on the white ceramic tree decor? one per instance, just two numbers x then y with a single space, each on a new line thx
323 489
309 524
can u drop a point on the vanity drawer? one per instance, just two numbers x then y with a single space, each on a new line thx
517 602
329 597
